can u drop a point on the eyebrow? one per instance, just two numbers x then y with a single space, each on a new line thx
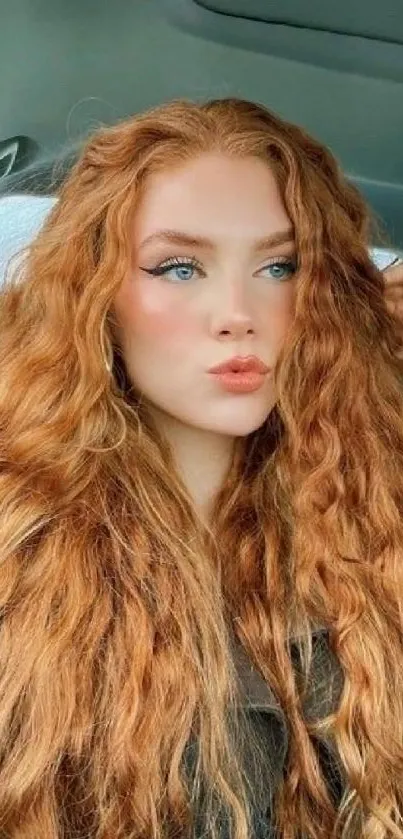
177 237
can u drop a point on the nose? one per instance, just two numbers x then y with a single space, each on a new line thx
232 314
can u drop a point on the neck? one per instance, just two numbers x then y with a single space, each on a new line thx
202 459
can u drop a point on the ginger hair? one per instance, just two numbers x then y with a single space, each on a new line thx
116 603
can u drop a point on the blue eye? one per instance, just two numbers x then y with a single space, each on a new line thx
175 264
282 268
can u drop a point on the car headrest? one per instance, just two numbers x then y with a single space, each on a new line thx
21 218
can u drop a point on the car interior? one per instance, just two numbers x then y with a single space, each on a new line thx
335 69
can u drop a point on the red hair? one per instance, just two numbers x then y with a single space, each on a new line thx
116 605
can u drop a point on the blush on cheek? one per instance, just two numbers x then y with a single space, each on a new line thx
154 311
168 322
166 331
148 310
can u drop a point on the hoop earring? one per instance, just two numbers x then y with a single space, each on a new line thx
108 364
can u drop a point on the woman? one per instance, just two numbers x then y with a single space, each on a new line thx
201 580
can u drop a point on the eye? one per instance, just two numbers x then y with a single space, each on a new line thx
282 268
185 265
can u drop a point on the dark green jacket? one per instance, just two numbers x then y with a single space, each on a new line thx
270 726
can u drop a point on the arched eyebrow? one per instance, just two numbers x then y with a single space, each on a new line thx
177 237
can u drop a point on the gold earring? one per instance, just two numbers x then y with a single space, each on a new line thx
108 364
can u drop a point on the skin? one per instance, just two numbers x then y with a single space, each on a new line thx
234 301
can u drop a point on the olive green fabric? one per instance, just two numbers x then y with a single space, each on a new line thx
264 746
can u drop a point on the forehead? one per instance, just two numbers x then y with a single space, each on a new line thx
215 195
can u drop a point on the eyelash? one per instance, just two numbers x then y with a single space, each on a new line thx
192 262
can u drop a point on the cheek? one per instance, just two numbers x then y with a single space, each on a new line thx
149 311
282 312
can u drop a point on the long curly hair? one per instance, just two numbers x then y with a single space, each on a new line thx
116 603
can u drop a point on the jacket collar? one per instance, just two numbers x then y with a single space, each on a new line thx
271 725
324 686
270 728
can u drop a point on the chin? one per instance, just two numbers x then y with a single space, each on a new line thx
246 421
240 428
244 431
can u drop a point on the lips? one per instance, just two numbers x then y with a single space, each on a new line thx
239 364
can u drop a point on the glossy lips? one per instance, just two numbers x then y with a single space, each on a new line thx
241 375
239 363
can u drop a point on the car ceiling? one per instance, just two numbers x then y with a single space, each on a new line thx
336 69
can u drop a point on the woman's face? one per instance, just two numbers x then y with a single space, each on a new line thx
215 299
